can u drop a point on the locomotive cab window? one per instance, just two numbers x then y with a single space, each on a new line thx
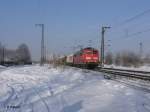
89 52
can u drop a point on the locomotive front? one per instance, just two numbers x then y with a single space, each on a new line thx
91 57
87 57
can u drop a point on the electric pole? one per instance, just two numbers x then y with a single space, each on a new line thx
141 49
3 55
90 43
102 45
42 45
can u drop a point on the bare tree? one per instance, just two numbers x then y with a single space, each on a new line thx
131 59
23 54
147 59
109 58
118 59
128 58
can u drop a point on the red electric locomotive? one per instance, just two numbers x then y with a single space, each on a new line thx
87 57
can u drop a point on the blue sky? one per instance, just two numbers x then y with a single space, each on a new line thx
69 23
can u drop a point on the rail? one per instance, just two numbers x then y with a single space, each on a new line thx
126 70
126 73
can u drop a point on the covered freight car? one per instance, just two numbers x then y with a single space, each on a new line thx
69 60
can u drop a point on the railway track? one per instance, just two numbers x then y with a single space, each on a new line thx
143 75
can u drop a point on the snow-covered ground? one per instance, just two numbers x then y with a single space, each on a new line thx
141 68
2 67
46 89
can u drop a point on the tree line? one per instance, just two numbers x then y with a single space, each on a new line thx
126 58
21 55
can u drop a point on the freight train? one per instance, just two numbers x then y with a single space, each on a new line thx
87 57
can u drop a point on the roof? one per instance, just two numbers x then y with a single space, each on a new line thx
89 48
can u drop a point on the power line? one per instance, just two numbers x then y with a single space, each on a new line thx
133 34
132 18
136 16
129 20
139 32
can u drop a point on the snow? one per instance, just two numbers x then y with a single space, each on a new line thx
64 89
2 67
141 68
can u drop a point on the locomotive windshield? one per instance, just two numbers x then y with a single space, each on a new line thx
91 52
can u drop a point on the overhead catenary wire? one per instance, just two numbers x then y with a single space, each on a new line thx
130 32
131 19
136 16
133 34
137 33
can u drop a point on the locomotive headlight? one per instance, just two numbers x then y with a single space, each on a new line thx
88 58
95 58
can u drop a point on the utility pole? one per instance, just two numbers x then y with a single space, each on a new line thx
90 43
102 45
42 45
80 47
141 49
3 55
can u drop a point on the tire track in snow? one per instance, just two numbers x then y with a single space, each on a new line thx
41 99
25 98
24 102
4 104
13 103
28 94
12 97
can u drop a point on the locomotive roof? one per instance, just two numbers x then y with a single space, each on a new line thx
82 50
89 48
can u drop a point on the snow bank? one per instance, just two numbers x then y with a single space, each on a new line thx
2 67
35 75
47 89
